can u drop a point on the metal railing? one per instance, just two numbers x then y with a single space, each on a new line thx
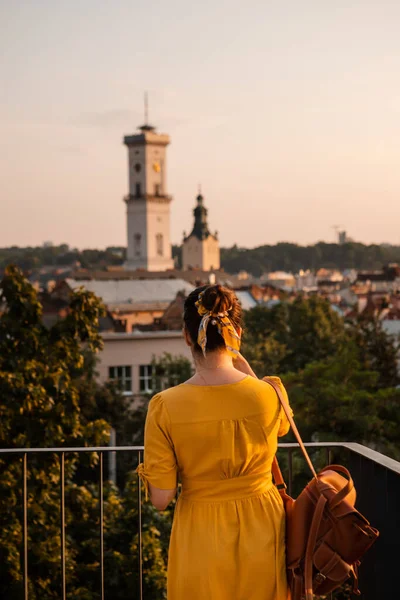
376 477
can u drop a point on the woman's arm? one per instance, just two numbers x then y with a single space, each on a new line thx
161 498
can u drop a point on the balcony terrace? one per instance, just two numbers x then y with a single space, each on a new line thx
376 477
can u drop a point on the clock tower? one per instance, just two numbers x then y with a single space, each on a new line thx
148 204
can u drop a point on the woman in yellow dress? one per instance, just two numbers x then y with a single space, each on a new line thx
217 433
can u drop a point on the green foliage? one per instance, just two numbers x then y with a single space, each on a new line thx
40 408
31 258
292 257
337 399
341 377
121 543
377 350
290 335
50 397
169 370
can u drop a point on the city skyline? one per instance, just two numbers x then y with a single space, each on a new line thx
287 115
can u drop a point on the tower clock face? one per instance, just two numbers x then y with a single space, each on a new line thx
156 166
138 167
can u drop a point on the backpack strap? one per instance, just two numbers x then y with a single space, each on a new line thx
277 475
311 542
345 491
288 413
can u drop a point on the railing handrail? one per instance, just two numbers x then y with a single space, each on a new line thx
377 457
72 449
373 455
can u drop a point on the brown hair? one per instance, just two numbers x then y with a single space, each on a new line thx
216 299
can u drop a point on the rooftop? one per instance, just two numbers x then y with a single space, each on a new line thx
129 291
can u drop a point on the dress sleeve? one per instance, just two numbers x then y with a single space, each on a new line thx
284 425
159 467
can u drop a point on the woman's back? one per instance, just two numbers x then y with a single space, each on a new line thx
224 431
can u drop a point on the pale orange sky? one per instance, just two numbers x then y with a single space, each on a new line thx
288 113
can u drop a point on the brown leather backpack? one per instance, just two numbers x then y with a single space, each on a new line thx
325 534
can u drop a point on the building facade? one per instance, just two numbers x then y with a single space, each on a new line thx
200 249
127 357
148 203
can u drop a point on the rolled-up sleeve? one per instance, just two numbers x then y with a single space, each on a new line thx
160 466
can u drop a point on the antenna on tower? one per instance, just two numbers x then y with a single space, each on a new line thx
337 230
146 108
146 127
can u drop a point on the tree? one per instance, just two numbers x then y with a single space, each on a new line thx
42 384
39 408
378 350
288 336
342 377
170 370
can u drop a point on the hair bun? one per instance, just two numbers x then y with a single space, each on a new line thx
214 299
218 299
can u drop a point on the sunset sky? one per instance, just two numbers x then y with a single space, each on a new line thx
286 112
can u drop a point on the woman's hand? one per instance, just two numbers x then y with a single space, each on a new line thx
241 364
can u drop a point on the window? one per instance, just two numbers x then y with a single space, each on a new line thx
160 244
137 240
146 384
157 189
123 377
138 190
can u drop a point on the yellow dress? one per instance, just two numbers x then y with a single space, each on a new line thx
227 540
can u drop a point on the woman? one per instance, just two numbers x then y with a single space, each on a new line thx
217 433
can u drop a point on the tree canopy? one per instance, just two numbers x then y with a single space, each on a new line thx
343 378
49 398
292 257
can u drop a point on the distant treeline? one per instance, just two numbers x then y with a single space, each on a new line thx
292 258
282 256
32 258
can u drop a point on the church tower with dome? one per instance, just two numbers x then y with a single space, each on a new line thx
200 249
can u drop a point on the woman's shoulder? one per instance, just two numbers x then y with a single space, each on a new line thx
274 379
262 385
165 397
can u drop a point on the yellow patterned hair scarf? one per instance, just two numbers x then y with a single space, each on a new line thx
225 328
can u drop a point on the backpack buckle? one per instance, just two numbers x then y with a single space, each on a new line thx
319 578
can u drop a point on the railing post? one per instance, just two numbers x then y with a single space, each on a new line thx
140 532
101 527
62 525
25 522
